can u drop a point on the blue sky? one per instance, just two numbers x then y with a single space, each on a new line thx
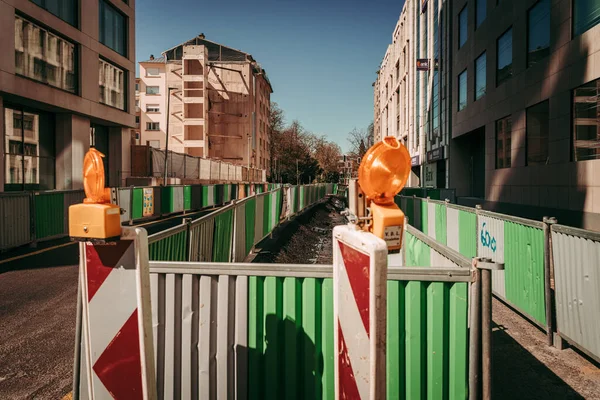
321 56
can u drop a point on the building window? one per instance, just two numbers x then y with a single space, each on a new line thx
537 134
137 87
480 79
462 27
45 57
112 85
152 72
137 119
538 32
586 123
152 108
113 29
504 57
480 12
586 15
63 9
152 126
29 146
462 90
503 133
152 90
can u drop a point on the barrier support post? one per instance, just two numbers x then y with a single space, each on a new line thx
485 267
548 274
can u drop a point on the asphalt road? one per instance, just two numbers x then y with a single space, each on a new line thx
38 296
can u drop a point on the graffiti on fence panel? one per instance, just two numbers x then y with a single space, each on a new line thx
487 240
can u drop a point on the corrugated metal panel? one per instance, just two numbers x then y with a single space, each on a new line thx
201 239
138 203
187 197
577 288
524 269
15 229
490 244
223 237
124 201
169 245
250 214
177 199
49 214
266 214
240 232
201 346
467 233
208 195
259 218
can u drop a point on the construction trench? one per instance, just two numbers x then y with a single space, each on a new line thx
523 366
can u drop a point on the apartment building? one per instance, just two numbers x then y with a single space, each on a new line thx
525 120
218 99
66 83
411 91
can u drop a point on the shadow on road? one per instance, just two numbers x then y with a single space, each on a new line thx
517 374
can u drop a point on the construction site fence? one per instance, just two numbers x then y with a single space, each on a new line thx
31 217
551 273
229 233
150 162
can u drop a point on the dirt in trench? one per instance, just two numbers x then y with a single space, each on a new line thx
307 239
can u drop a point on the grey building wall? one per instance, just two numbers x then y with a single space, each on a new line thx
562 187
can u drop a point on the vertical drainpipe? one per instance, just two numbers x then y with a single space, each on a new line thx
441 25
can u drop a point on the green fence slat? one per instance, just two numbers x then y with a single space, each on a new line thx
440 224
255 337
417 252
310 352
524 269
250 221
437 345
458 338
290 333
424 216
223 237
467 233
172 248
415 308
273 343
328 350
187 197
49 215
138 203
266 214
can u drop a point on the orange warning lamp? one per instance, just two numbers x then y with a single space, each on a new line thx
96 218
382 174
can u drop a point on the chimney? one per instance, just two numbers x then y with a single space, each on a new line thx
152 56
201 36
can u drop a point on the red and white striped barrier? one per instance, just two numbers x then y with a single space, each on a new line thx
360 282
117 331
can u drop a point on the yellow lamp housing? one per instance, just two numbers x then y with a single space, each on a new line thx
382 174
96 218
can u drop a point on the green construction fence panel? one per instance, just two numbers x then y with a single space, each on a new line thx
49 215
440 223
167 200
171 248
208 196
187 197
302 198
138 203
250 207
524 269
267 215
223 237
417 252
218 195
290 339
467 231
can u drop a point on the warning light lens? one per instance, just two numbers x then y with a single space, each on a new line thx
384 170
93 177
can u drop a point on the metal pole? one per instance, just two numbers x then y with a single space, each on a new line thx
130 205
486 333
77 355
167 135
474 335
548 264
